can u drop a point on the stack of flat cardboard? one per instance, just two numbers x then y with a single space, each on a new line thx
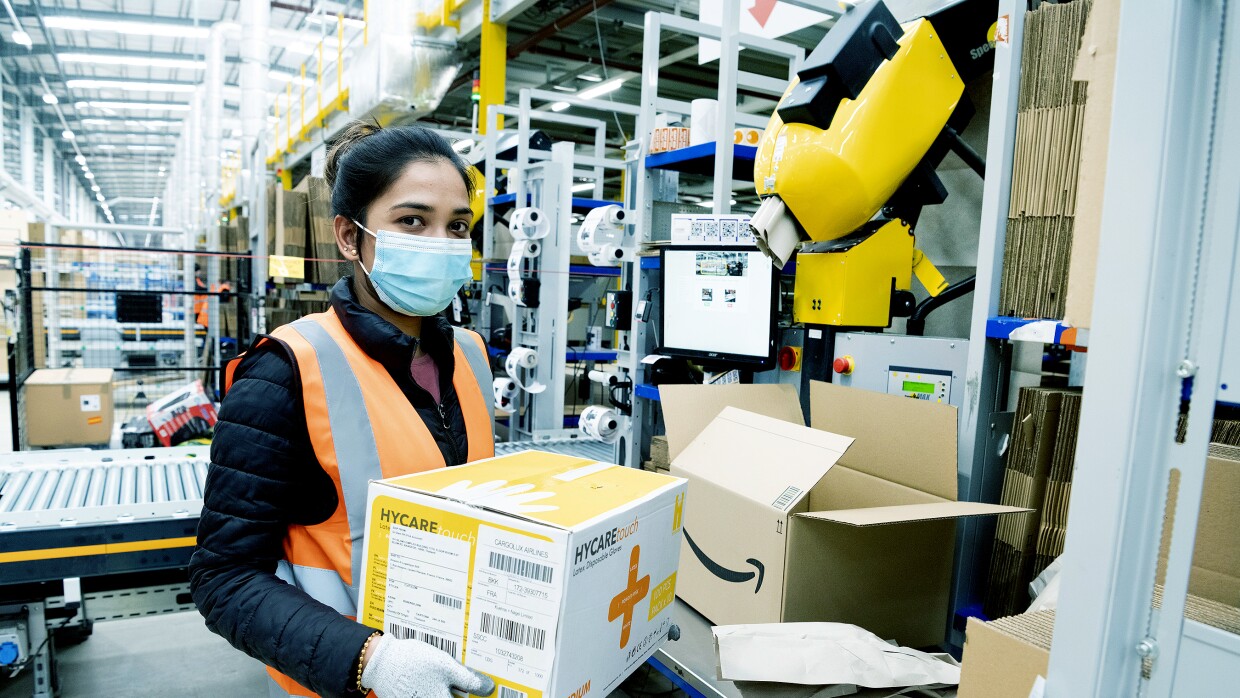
1004 657
1045 164
286 223
1095 65
326 269
659 461
1054 526
281 310
1035 434
1226 431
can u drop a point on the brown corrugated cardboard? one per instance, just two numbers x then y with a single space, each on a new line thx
796 523
1215 573
69 407
1095 64
1029 459
1045 163
1003 659
685 423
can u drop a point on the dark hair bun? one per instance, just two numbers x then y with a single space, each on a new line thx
349 137
366 159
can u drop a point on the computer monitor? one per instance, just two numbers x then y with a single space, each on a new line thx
718 306
139 307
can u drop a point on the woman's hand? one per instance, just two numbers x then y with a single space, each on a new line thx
412 669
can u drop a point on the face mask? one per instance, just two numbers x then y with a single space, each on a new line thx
416 275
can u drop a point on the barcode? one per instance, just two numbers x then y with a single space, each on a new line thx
513 631
505 692
785 500
518 566
449 601
400 632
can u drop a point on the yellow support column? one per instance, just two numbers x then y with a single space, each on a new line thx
493 65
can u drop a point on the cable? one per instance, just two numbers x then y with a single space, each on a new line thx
598 33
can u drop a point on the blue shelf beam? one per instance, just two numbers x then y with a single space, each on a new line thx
506 201
573 355
1017 329
700 160
646 391
573 269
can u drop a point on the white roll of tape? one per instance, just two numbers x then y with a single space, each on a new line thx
601 423
504 389
529 223
514 293
523 358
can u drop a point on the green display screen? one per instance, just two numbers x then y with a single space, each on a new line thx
915 387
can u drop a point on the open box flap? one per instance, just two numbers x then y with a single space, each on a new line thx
908 513
912 442
687 409
761 458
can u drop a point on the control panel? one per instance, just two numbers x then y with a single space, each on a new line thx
921 384
921 368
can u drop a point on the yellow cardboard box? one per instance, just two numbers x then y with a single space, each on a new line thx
552 574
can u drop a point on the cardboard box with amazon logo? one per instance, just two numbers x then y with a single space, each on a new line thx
552 574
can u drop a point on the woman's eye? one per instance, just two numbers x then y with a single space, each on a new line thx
411 221
459 228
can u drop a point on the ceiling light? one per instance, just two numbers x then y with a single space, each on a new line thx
307 48
284 77
592 92
331 19
21 38
711 204
90 175
106 146
129 85
602 89
67 134
81 160
138 106
152 123
584 186
49 98
563 88
163 169
94 187
131 59
99 196
147 27
591 78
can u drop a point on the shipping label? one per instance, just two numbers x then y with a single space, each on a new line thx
516 601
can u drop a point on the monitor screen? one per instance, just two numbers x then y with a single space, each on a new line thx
718 305
139 307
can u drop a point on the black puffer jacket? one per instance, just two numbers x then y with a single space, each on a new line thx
264 477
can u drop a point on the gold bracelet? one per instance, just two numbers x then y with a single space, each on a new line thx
361 660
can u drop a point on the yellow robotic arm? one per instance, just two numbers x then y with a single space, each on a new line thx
870 116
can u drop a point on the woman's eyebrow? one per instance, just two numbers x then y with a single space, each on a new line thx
414 205
464 211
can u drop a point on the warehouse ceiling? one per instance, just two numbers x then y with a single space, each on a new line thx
118 75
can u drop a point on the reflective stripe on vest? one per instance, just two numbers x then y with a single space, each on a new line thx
341 388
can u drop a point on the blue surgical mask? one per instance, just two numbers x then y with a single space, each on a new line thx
416 275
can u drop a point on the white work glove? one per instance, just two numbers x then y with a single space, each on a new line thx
414 669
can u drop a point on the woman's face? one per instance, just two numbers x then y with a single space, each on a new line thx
428 199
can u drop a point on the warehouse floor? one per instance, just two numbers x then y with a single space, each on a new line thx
158 656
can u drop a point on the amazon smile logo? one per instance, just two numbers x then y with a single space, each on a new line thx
724 573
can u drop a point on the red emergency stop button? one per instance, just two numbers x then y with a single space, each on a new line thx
790 359
844 365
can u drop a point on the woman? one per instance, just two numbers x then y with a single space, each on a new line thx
378 386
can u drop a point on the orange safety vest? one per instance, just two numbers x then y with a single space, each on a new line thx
202 304
341 387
